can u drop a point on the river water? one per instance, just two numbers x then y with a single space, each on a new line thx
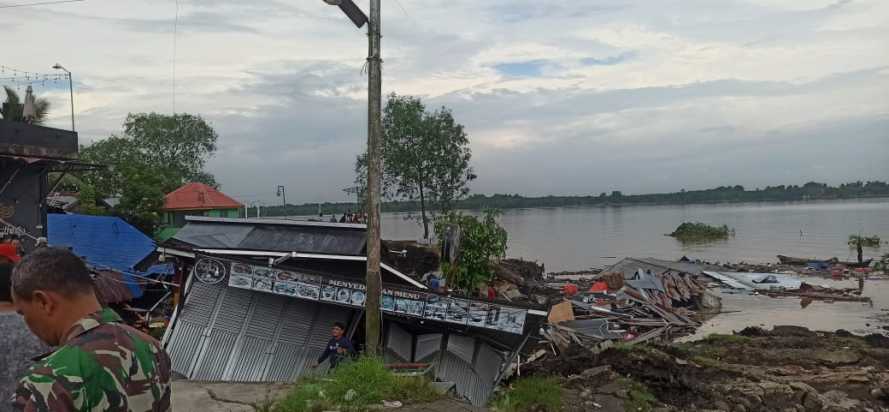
584 237
580 238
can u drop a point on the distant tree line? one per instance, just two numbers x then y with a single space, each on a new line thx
722 194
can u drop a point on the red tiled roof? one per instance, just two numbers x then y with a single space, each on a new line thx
198 196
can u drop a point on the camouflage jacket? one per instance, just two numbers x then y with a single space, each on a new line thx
102 365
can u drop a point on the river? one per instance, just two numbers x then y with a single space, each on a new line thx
583 237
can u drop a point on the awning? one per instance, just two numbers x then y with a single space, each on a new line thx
56 165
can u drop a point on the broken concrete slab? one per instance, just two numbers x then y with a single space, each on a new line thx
224 397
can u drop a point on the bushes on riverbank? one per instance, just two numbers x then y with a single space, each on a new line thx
697 231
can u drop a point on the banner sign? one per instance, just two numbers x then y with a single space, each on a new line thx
402 302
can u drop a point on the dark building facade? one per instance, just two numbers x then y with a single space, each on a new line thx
27 154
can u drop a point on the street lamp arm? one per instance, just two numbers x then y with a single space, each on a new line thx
351 10
58 66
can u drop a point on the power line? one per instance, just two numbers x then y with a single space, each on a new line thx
408 15
39 3
175 34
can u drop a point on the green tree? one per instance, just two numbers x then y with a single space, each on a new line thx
181 143
155 155
425 157
481 242
12 108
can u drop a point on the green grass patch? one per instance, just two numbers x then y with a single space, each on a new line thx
535 393
353 387
720 339
639 398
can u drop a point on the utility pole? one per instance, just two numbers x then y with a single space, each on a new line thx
372 315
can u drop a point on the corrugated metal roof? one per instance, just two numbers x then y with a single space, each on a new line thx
271 236
630 265
198 196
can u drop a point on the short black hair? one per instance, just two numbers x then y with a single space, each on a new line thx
54 269
340 325
5 286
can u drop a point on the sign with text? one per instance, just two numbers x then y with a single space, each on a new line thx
417 304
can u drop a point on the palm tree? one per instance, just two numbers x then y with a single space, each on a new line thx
13 106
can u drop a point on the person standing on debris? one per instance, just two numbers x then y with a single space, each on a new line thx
18 346
339 347
100 364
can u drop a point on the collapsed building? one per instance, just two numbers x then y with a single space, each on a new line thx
262 294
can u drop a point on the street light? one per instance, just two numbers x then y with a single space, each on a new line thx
282 193
374 165
70 90
352 11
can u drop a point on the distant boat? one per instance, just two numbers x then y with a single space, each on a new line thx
789 260
865 263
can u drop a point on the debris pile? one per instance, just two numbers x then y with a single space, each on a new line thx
782 285
631 307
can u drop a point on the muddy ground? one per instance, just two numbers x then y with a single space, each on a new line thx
786 369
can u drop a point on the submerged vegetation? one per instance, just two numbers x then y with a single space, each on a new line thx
700 232
864 241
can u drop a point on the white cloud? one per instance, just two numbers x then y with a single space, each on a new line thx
620 85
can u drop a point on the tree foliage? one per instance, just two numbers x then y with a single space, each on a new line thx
12 109
155 155
700 232
481 241
425 157
864 241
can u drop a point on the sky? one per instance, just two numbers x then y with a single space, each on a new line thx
558 97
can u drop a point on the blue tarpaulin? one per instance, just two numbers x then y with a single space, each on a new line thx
103 242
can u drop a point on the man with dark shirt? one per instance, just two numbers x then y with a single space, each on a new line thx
338 348
18 346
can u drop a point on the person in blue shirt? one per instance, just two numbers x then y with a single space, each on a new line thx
338 348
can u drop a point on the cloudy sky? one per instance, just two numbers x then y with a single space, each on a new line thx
558 96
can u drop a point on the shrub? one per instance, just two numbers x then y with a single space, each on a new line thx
367 377
531 394
480 242
639 398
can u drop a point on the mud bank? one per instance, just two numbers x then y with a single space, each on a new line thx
788 368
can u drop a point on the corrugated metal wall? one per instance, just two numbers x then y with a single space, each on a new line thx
229 334
470 363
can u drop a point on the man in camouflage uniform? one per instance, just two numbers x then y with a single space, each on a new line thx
101 364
